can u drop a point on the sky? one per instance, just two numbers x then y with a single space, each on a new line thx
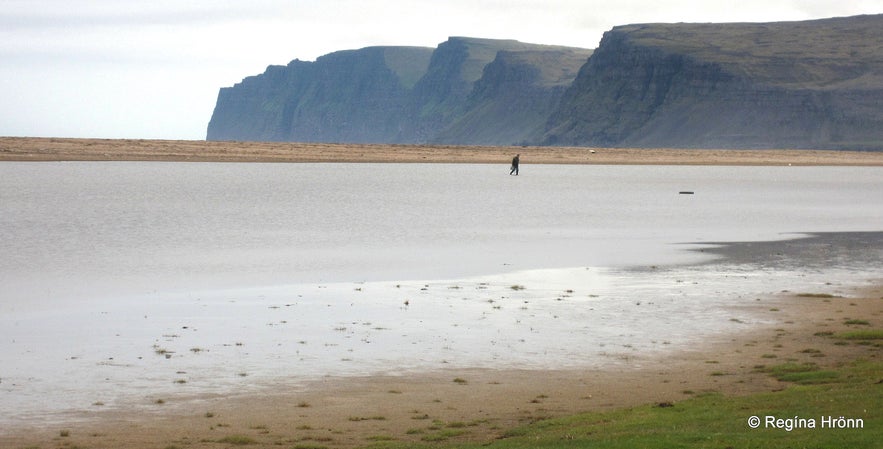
151 69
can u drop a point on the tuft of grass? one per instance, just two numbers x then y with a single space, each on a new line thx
309 446
858 322
64 433
811 351
442 435
817 295
517 287
367 418
460 380
237 440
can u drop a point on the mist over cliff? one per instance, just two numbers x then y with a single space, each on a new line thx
811 84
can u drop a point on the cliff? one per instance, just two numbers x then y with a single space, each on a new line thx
813 84
456 93
346 96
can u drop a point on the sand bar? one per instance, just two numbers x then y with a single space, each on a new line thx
66 149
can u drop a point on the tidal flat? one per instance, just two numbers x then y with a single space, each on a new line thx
159 288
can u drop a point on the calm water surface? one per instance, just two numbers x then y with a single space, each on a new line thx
106 229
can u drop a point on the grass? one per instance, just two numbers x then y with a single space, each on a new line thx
367 418
858 322
865 334
817 295
237 440
712 420
442 435
802 373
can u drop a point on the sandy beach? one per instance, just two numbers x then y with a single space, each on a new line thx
58 149
480 404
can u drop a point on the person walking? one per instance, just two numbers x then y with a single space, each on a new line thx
514 165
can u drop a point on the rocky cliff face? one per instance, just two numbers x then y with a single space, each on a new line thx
515 95
347 96
815 84
457 93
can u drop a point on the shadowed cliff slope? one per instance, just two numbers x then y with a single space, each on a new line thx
813 84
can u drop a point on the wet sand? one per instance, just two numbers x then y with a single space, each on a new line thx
65 149
479 405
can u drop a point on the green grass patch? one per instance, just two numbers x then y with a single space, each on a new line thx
802 373
866 334
810 377
714 420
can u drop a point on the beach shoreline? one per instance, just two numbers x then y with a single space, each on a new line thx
72 149
473 404
480 405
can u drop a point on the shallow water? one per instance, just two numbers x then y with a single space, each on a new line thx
118 280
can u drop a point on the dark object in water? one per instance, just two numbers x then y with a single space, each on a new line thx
686 192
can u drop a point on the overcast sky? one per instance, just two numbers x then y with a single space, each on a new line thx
151 69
